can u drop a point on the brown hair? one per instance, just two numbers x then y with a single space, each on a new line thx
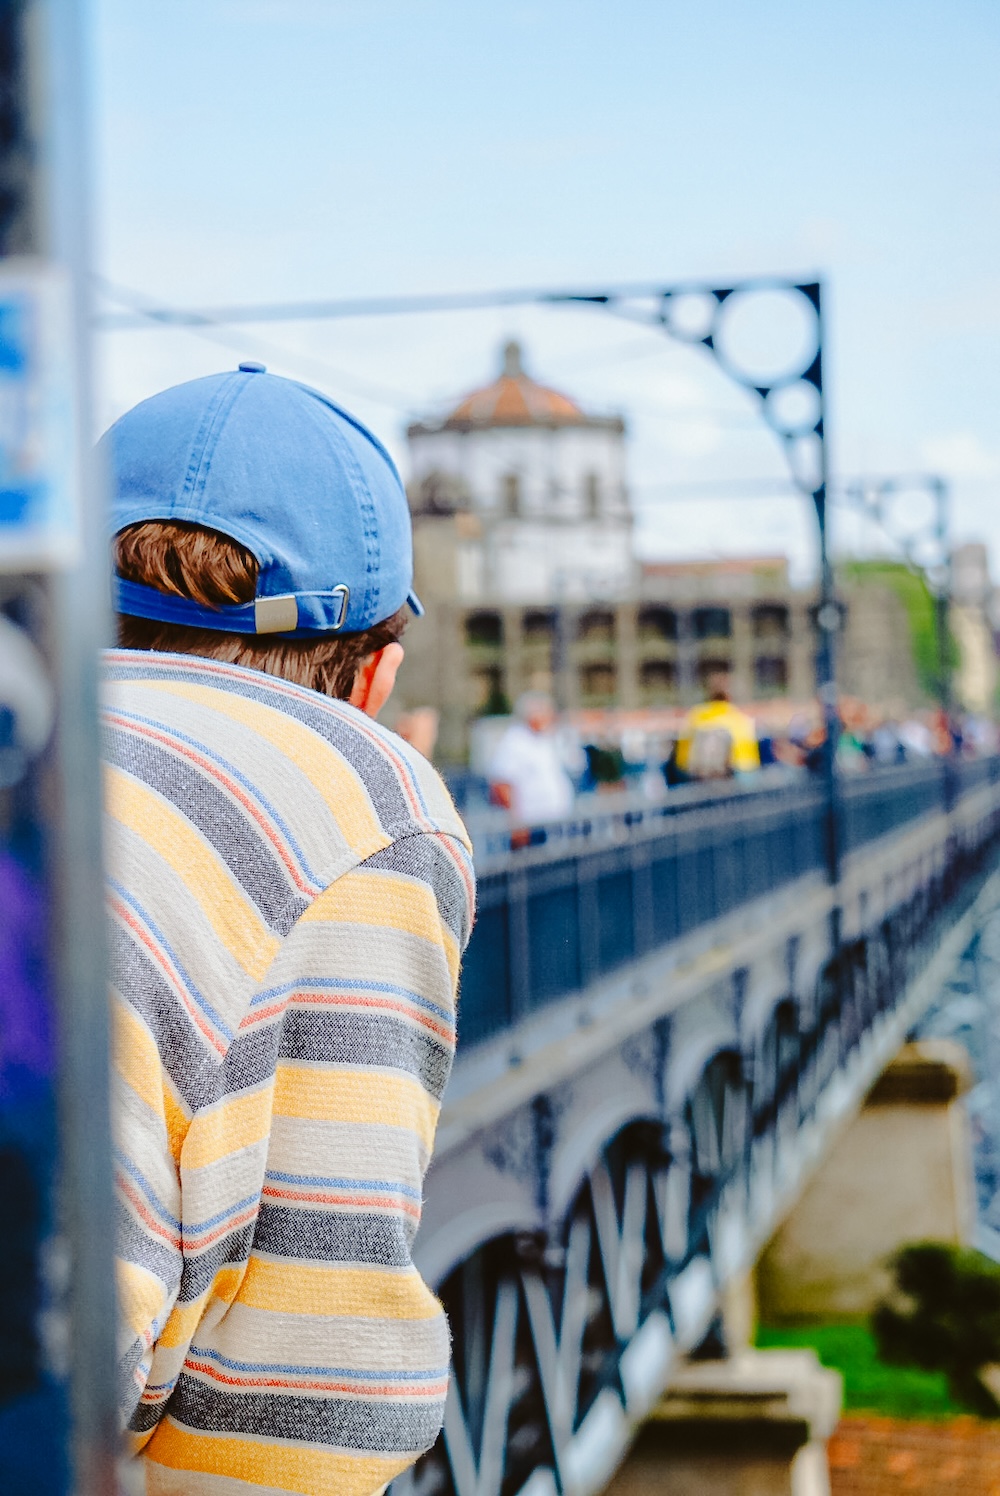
187 560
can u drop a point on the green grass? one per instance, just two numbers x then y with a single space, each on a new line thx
870 1385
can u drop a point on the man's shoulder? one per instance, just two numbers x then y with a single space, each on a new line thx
307 758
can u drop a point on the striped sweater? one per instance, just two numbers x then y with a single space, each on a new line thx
290 891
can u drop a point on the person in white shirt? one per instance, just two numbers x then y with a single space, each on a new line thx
527 774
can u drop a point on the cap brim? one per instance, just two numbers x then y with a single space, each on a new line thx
416 605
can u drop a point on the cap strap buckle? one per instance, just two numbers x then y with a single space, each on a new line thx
276 615
293 610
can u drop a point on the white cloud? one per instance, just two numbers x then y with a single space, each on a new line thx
961 454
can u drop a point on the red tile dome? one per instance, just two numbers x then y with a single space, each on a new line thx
515 399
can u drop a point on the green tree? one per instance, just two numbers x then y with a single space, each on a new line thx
943 1315
911 588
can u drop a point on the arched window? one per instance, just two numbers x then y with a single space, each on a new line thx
658 680
539 625
770 673
712 623
511 493
770 621
591 495
596 626
657 623
484 629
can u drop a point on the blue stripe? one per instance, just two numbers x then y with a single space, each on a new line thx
147 1189
357 985
385 1186
224 1215
319 1371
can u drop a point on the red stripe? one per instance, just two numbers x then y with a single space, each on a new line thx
366 1389
141 1210
346 1000
196 1243
354 1201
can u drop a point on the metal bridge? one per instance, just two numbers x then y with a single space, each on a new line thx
666 1015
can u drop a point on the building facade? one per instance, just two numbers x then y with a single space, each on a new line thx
541 486
524 559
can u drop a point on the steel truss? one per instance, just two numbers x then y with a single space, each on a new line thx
563 1338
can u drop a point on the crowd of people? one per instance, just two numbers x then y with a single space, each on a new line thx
541 765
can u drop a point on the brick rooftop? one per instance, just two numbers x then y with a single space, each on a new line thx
872 1456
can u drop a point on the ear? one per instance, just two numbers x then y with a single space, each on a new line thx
375 679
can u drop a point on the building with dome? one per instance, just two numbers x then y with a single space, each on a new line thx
524 559
541 485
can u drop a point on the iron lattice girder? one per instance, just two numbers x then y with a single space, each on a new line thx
565 1332
658 309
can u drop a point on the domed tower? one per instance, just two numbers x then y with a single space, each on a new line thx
538 486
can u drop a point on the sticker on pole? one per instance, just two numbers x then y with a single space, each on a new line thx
39 508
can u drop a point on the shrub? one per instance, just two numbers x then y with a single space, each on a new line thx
943 1315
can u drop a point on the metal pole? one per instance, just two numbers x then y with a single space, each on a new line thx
52 570
828 624
942 593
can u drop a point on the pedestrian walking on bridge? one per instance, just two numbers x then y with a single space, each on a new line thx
717 740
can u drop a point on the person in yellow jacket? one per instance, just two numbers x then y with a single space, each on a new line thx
717 740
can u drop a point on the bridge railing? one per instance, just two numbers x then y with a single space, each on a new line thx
606 889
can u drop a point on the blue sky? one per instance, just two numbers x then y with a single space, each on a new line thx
280 149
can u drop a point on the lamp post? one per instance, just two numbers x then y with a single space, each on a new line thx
791 402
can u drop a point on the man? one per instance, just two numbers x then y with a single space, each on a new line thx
717 739
290 891
527 774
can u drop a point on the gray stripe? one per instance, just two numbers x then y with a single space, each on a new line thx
200 1270
251 1058
369 1426
129 1392
335 1236
367 758
360 1039
191 1065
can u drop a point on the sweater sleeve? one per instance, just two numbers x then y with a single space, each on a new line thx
318 1360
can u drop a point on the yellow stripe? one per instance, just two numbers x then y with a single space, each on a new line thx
236 1123
313 756
230 913
300 1469
390 900
185 1318
137 1061
325 1292
135 1056
177 1116
141 1295
180 1327
323 1094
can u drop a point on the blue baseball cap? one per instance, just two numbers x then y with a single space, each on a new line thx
310 492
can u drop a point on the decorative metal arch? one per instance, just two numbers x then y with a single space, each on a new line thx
800 427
